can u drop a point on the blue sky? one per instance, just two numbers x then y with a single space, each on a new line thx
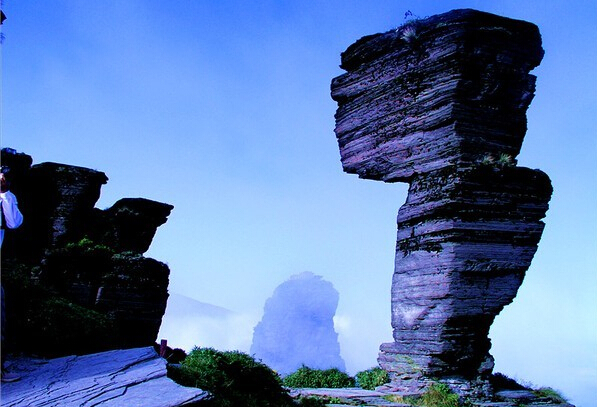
222 108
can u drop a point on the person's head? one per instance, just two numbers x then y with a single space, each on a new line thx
4 179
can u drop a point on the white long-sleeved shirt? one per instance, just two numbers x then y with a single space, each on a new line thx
13 217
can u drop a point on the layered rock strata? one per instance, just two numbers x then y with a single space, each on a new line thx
445 91
441 103
85 265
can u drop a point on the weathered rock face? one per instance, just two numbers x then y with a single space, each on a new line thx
464 244
85 265
298 327
441 103
445 91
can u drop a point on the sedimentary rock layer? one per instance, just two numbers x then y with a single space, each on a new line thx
447 90
441 103
465 241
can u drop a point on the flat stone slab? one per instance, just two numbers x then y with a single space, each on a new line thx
132 377
369 398
517 394
350 396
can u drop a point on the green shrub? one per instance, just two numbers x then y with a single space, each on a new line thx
62 327
306 377
233 378
372 378
84 261
551 394
396 398
436 395
40 321
439 395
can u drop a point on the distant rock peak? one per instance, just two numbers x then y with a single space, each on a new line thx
297 327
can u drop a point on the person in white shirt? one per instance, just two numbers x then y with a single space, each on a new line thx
12 218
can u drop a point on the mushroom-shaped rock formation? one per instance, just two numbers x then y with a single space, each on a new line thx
441 103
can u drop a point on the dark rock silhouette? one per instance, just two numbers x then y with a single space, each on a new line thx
130 224
441 103
297 327
75 276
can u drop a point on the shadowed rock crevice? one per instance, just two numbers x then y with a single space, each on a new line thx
441 103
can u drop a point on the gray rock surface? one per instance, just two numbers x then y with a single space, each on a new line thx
133 377
441 103
297 327
438 92
378 398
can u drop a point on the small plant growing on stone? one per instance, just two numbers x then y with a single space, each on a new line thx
488 159
409 33
551 394
372 378
439 395
505 160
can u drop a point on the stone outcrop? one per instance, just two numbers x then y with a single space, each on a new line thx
59 201
441 103
447 91
134 377
297 327
130 224
85 265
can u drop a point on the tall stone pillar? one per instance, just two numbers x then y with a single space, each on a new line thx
441 103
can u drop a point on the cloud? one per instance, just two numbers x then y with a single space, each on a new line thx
359 339
188 323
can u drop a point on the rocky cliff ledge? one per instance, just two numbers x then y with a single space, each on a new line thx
441 103
75 277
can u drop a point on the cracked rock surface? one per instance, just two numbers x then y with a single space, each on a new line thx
133 377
